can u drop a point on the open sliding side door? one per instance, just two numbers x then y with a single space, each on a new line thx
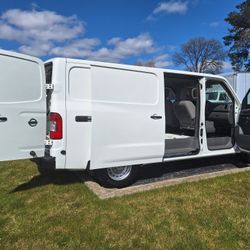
22 106
128 117
242 133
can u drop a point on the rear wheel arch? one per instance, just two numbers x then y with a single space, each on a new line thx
116 177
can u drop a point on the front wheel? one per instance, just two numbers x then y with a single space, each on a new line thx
117 177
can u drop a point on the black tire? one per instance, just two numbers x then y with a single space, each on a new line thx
103 176
46 166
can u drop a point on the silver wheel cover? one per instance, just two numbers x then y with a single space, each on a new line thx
119 173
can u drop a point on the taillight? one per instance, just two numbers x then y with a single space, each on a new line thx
56 126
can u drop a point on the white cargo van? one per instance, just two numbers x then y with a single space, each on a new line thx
110 118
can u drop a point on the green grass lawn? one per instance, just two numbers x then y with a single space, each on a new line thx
59 212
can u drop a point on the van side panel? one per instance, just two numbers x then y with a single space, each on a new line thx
123 132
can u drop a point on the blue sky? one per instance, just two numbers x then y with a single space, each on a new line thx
111 30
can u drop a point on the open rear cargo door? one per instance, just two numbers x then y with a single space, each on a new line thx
22 106
242 133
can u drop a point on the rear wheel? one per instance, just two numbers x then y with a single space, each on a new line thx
117 177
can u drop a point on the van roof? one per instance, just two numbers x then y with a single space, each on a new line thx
132 67
113 65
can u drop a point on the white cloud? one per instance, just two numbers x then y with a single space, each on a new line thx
163 61
80 48
36 48
35 26
41 33
116 50
170 7
38 31
34 19
131 46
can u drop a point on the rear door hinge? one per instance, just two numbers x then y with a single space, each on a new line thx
48 142
49 86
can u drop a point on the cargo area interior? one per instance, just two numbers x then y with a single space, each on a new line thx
182 108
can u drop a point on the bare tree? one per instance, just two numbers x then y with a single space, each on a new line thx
201 55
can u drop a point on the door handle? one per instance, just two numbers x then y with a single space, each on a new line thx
155 117
3 119
83 118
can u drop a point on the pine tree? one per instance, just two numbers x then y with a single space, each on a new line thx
239 37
